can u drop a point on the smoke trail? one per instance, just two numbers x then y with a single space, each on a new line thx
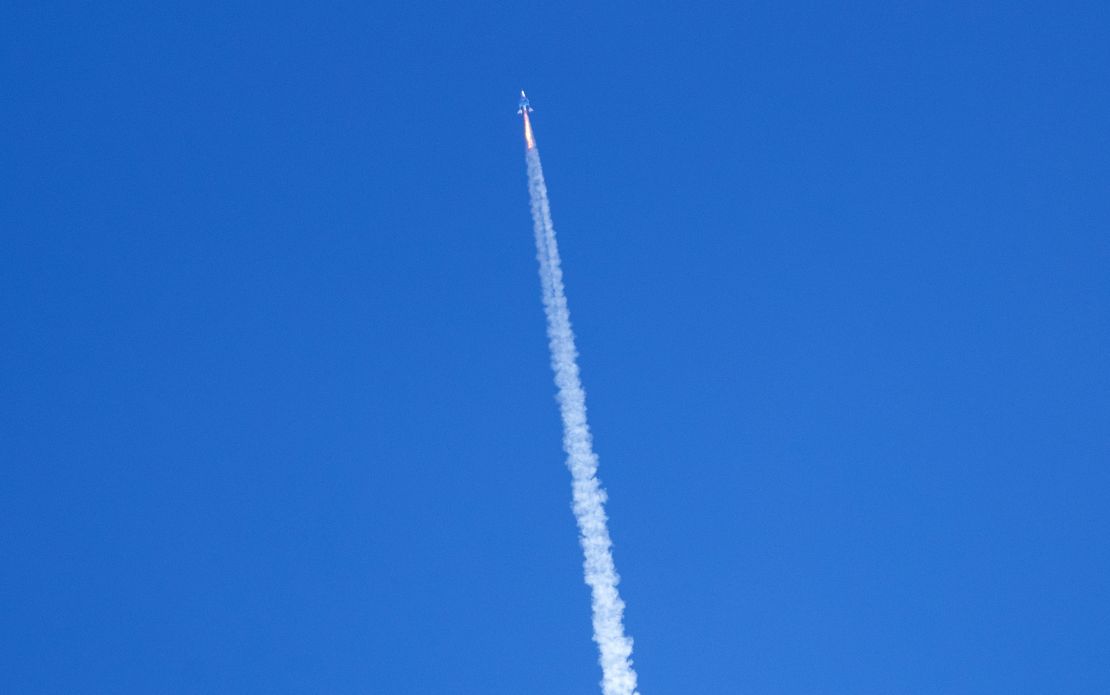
614 646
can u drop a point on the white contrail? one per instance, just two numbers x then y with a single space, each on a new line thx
615 647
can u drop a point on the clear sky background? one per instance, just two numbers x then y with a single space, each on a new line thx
276 414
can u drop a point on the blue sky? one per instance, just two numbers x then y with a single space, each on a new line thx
277 415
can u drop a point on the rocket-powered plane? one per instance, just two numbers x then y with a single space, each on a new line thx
524 108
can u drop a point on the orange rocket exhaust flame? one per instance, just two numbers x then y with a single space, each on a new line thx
529 139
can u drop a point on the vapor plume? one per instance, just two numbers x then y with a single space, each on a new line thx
618 677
